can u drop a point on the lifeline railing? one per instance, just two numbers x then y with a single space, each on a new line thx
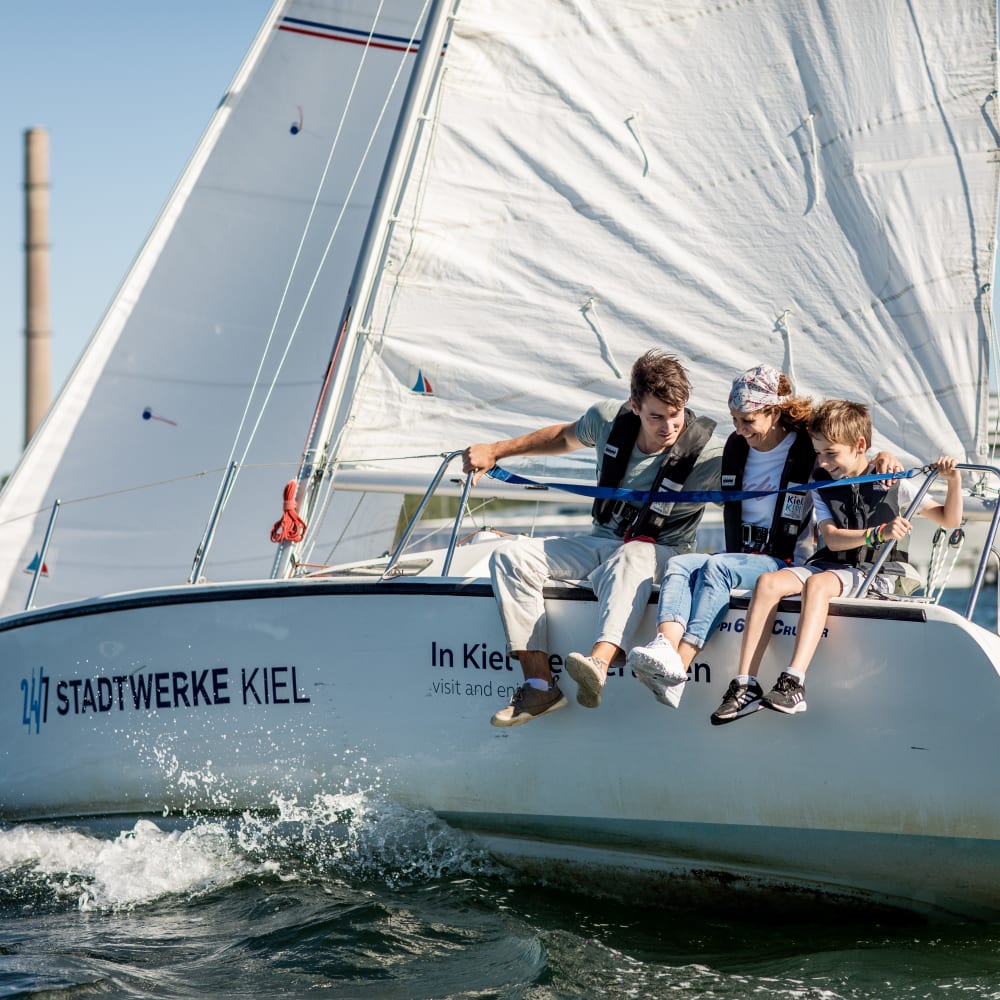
989 550
988 545
456 527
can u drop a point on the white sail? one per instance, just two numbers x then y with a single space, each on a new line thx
807 184
159 394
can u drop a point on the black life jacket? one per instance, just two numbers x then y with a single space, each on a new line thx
787 525
858 505
675 467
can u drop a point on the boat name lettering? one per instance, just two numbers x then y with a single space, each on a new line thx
478 656
36 699
779 627
163 689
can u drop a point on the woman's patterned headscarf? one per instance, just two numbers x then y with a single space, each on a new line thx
755 389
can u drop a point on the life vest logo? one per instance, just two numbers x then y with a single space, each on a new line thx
422 387
792 507
611 451
728 480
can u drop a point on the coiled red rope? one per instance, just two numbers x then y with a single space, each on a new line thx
291 527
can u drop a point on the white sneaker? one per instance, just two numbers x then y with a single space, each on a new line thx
658 665
657 659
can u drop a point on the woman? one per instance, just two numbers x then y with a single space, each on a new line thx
768 450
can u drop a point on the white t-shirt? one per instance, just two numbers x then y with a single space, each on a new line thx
763 472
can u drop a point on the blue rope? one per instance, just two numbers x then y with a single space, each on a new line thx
688 496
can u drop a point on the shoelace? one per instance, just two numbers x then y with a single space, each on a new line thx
786 683
733 692
740 693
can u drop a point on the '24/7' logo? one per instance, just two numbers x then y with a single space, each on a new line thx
36 699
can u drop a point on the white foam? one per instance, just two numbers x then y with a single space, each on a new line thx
137 866
354 834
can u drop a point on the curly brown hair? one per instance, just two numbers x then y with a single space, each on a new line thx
795 412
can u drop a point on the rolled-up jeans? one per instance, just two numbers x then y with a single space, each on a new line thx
622 576
696 587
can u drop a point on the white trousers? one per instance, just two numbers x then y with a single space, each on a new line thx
622 576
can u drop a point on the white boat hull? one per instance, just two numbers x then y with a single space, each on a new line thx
229 697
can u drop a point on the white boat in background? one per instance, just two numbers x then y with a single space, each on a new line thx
452 222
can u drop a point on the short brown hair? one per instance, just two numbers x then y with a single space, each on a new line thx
661 375
842 422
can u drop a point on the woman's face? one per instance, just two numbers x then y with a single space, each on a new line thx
758 427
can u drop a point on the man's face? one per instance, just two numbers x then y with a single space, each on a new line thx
661 423
840 460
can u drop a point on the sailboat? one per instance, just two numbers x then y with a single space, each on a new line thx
412 225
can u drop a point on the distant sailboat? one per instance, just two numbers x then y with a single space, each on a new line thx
412 225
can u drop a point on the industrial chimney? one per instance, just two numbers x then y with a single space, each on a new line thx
37 332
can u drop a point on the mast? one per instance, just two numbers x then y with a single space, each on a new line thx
357 310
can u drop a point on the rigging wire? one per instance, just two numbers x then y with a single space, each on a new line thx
372 346
222 500
294 266
336 228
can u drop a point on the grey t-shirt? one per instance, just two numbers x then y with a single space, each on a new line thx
593 430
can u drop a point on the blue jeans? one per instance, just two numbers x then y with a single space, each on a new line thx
695 589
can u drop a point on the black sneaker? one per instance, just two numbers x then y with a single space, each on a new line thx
787 695
739 700
529 703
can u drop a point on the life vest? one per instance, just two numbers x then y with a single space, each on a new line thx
787 525
651 518
858 505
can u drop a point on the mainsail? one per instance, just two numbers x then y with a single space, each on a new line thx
811 184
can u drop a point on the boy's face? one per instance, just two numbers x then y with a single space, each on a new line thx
660 423
840 460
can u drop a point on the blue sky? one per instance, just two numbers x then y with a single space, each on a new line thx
125 89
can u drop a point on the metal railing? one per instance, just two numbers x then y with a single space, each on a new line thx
428 493
984 558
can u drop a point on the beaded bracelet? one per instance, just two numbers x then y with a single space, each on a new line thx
875 536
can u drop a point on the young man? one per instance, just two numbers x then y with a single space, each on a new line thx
649 440
854 521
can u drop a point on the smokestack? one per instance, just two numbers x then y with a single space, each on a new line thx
37 332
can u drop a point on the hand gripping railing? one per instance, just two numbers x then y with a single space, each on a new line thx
428 493
883 552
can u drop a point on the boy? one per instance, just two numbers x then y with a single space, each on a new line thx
853 521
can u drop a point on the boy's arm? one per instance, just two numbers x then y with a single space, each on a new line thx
838 539
948 514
